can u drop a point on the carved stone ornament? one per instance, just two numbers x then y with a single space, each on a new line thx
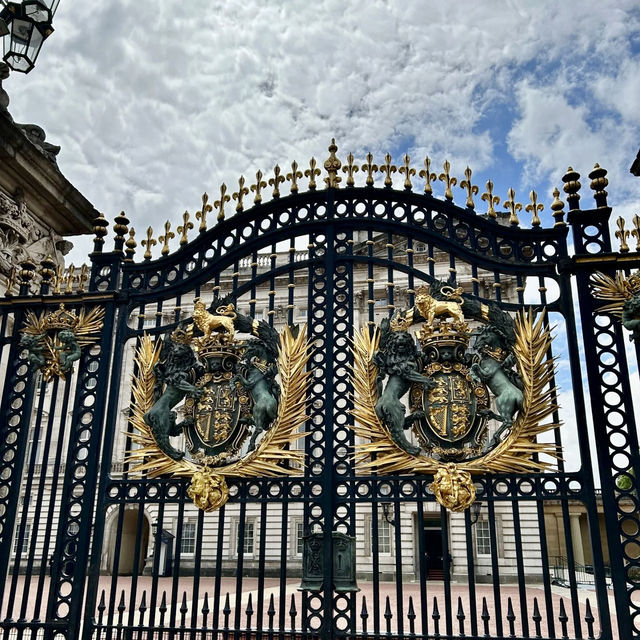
457 379
55 339
622 293
241 401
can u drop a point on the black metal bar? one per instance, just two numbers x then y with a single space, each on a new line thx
471 572
495 572
522 580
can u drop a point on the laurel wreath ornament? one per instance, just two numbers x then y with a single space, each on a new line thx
208 488
519 452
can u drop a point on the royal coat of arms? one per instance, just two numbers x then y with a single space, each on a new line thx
479 387
237 402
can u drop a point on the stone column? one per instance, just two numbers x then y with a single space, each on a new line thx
576 537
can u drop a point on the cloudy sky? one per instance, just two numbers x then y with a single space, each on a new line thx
155 102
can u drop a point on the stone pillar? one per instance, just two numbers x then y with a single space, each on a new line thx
576 538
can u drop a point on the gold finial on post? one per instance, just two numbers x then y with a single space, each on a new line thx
219 204
312 173
168 234
534 208
239 195
47 272
449 180
350 169
472 189
635 232
294 176
571 188
557 206
202 214
599 183
370 169
276 181
387 168
491 200
183 229
120 228
332 166
513 207
407 171
149 242
622 234
427 175
258 187
130 245
83 277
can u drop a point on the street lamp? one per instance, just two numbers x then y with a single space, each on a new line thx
25 26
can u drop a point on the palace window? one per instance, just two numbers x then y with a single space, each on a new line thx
383 536
299 541
21 549
483 538
248 542
188 539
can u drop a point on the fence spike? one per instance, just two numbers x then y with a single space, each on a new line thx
435 616
226 611
249 610
143 607
163 608
183 609
293 612
121 608
364 614
271 612
460 615
537 618
387 614
205 609
511 617
589 619
485 616
101 608
563 619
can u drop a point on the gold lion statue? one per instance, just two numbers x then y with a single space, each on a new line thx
208 322
431 308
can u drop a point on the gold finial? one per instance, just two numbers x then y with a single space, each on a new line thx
185 226
427 175
219 204
276 181
130 245
47 270
294 176
370 168
450 181
491 200
472 189
407 171
100 225
168 234
534 208
120 227
312 173
332 165
513 207
83 277
258 187
240 194
571 188
350 169
635 232
557 207
622 234
11 282
70 278
58 281
387 168
599 183
202 214
148 243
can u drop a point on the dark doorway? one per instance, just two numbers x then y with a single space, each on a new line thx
433 551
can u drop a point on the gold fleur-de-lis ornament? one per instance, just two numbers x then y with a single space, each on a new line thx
491 200
427 175
219 204
471 189
622 234
239 195
449 180
513 207
276 181
312 173
350 168
369 168
407 171
258 187
202 214
148 243
534 208
183 229
294 176
387 169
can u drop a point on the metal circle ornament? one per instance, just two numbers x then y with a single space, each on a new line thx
238 403
468 365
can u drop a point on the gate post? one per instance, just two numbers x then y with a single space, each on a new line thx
616 436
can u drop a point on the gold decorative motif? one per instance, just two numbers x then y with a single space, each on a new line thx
239 195
472 189
521 451
622 234
534 208
59 279
635 232
430 308
130 245
332 166
70 278
427 175
557 206
208 490
453 488
491 200
407 172
449 181
616 291
387 168
513 207
370 169
202 214
258 187
184 228
148 243
276 181
294 176
312 173
208 322
168 235
219 204
350 168
55 338
82 278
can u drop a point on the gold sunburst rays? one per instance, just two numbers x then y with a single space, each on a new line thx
518 453
266 460
614 290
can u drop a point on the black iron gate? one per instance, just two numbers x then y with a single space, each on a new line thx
89 548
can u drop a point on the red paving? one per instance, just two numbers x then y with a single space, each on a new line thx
398 623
